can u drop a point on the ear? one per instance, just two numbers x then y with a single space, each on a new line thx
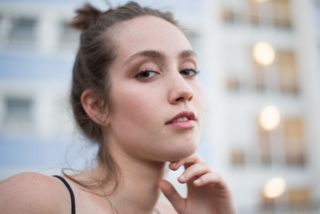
93 106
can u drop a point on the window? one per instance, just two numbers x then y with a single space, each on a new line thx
18 114
253 13
281 13
264 141
232 82
237 156
280 77
287 71
289 138
284 146
258 75
23 32
69 37
269 13
294 200
283 74
299 196
228 15
293 136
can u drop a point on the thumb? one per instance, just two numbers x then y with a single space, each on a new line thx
172 195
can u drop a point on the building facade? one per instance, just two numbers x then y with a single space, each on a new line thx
264 59
259 62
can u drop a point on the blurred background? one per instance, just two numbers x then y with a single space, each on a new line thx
260 66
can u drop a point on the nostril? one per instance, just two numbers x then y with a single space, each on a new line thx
180 99
184 98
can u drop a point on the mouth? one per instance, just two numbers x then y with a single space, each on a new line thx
182 120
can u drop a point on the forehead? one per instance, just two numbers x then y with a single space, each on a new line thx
149 33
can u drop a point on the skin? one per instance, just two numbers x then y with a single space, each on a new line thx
152 81
146 104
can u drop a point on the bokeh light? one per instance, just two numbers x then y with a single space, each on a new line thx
274 187
270 117
264 53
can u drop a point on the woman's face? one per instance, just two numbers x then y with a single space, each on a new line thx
155 107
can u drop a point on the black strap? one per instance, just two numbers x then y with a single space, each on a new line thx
73 203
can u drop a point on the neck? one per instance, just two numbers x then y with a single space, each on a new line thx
138 190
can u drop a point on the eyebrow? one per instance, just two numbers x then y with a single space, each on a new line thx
157 55
187 53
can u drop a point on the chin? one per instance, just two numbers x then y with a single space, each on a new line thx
182 151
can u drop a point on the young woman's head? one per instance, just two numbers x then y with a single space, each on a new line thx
135 89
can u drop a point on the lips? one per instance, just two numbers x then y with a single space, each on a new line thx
182 117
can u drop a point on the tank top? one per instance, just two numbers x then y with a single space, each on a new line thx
73 203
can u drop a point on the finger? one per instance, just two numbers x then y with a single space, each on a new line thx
172 195
175 165
193 159
193 172
186 162
208 178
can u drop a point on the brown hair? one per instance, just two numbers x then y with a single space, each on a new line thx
96 53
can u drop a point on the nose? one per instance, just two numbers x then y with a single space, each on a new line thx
180 90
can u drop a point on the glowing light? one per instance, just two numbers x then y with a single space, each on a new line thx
263 53
261 1
269 117
274 188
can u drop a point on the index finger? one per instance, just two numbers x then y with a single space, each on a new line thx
188 161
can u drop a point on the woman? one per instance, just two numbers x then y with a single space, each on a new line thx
135 92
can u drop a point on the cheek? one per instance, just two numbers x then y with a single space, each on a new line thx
199 99
132 105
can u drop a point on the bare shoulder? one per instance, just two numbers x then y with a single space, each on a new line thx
31 193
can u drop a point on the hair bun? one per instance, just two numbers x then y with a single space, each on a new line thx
85 15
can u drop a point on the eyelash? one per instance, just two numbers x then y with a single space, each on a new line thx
193 71
140 76
188 73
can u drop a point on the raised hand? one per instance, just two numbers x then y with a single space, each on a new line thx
207 192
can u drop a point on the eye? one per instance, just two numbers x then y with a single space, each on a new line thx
146 75
189 72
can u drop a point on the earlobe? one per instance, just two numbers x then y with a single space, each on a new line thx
92 104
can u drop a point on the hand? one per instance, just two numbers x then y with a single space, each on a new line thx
207 192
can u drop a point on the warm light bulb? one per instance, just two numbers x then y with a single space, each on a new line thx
263 53
269 117
274 188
